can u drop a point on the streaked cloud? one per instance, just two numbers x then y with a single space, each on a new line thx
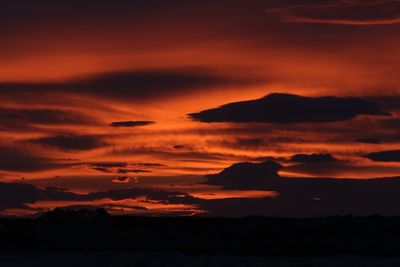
340 12
70 142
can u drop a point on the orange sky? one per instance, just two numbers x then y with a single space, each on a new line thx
71 69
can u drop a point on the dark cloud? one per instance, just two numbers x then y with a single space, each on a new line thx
150 194
246 175
244 143
147 164
313 158
123 171
109 164
249 142
265 176
261 141
43 116
121 179
120 171
287 108
384 156
296 197
19 195
302 197
177 154
101 169
388 102
369 140
342 168
70 142
19 160
106 206
342 12
131 85
120 167
130 123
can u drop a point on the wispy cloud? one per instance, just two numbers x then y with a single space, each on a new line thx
341 12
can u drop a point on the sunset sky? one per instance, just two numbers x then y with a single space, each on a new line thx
219 108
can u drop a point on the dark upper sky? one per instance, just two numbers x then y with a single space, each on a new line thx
141 106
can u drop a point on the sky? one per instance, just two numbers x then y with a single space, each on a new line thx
200 108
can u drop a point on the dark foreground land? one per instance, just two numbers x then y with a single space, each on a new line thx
96 239
174 259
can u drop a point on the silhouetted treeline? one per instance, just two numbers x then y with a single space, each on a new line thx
263 236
